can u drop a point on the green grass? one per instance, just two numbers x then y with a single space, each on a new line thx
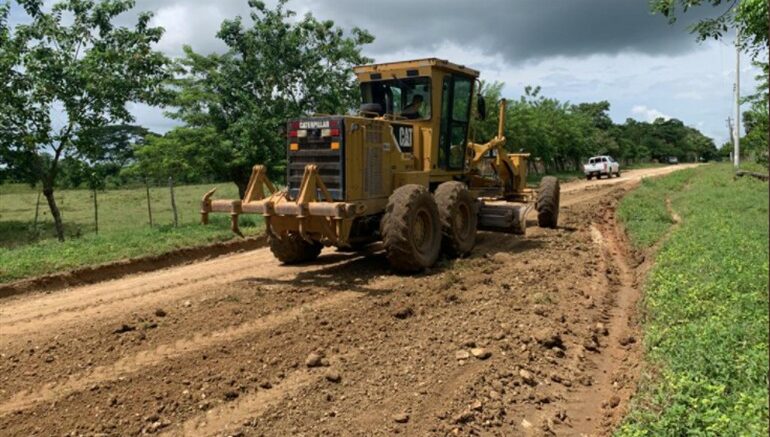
753 166
644 210
705 306
119 210
124 231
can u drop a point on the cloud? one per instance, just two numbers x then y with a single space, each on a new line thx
648 114
191 24
520 30
576 50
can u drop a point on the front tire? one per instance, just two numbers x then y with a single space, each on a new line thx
548 202
293 249
411 229
457 212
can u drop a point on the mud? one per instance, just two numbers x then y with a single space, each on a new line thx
533 335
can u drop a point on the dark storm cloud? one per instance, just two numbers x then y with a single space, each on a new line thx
518 30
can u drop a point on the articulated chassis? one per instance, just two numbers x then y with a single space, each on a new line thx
502 204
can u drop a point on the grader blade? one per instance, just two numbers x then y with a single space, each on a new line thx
504 217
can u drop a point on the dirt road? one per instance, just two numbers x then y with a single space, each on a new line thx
529 336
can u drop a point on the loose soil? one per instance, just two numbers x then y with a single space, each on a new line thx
530 335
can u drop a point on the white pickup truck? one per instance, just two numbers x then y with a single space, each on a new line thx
601 165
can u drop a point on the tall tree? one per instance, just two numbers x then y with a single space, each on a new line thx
748 16
755 119
66 74
276 67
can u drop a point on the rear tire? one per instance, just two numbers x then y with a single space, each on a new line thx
411 229
548 202
457 212
292 249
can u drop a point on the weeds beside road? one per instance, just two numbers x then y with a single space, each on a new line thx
705 304
123 224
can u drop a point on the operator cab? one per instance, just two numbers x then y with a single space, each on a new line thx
428 102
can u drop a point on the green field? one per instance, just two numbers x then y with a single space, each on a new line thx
124 229
705 305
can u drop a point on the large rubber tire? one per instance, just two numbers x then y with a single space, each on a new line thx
547 204
292 249
410 229
457 211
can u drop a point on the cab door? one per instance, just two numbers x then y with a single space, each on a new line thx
455 116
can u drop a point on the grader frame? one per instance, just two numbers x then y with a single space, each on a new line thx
392 177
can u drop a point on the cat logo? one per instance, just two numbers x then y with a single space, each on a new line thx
314 124
404 137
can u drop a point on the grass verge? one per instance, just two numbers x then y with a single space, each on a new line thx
644 211
705 305
120 210
51 256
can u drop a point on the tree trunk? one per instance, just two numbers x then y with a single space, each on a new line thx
241 187
37 212
55 213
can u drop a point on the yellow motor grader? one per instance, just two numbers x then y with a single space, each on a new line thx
402 170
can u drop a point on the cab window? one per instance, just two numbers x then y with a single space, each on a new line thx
408 98
455 112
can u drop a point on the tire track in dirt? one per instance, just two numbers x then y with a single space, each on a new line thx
29 316
159 354
221 419
506 280
598 408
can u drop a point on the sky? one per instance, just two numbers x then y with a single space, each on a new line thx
575 50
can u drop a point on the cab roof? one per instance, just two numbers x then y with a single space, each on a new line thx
416 64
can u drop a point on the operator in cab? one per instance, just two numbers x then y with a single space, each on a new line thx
412 110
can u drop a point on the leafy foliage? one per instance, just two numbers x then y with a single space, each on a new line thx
706 304
235 105
67 75
562 135
748 16
755 120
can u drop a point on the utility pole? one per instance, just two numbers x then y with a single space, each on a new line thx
737 135
731 131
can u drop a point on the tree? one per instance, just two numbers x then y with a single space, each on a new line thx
749 17
599 113
64 82
103 154
755 119
177 154
484 130
275 68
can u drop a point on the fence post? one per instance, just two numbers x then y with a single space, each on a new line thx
96 214
37 213
173 201
149 207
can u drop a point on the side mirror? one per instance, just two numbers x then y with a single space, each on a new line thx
481 107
